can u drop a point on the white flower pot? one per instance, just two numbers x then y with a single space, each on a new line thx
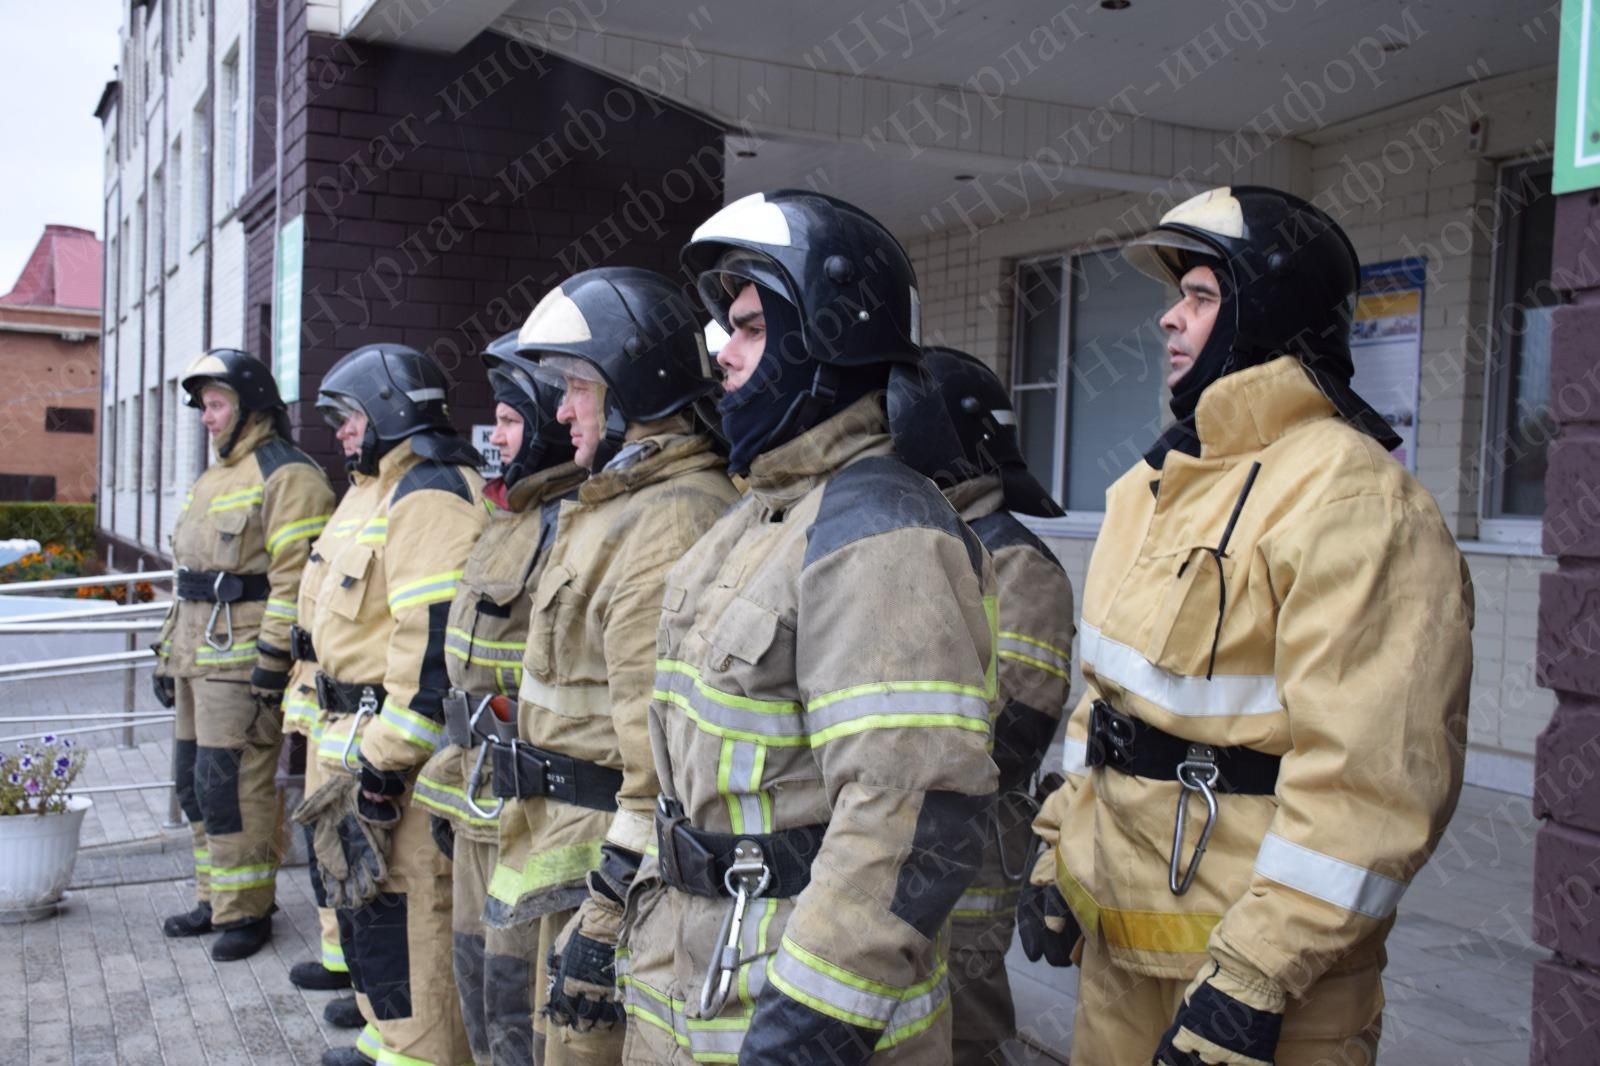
37 853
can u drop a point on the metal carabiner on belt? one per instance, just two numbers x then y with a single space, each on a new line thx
365 708
217 606
486 740
745 880
1025 798
1197 773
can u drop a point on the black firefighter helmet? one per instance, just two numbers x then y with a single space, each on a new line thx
850 279
630 330
517 384
952 421
404 394
1293 274
248 378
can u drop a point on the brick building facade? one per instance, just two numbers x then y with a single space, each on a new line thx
49 330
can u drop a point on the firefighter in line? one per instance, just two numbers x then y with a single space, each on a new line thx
955 425
821 715
379 586
579 784
1276 644
223 657
484 645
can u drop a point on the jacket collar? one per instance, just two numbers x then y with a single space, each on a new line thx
780 477
257 431
399 459
1250 409
977 498
658 458
543 485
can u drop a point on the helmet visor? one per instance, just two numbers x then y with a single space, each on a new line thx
557 368
1159 254
336 409
721 285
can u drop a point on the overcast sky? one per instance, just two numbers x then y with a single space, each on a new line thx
55 58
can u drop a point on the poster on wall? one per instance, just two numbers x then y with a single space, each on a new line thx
1386 344
489 467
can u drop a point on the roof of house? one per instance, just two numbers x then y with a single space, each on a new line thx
63 271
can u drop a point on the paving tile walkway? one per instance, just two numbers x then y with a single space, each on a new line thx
99 983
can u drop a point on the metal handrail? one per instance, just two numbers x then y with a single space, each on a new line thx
84 582
112 610
130 658
137 720
10 628
92 789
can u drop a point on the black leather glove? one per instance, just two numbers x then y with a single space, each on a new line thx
444 835
583 982
1225 1020
382 782
270 676
1045 925
166 690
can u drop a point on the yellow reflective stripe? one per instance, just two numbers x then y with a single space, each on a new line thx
832 990
282 609
985 902
242 878
451 801
592 700
298 711
239 653
553 867
376 531
414 728
304 529
430 589
707 1039
497 653
202 861
369 1043
333 957
1162 931
345 526
897 705
233 501
1021 648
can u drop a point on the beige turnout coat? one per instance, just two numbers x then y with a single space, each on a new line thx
1332 629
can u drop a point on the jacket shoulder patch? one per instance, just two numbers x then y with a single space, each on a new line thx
1002 530
278 453
429 475
879 495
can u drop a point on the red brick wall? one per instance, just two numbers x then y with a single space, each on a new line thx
427 220
1566 904
42 370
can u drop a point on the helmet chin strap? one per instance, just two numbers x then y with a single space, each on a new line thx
614 437
226 446
365 461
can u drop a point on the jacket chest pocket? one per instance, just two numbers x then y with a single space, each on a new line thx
750 652
1189 614
349 575
556 637
230 526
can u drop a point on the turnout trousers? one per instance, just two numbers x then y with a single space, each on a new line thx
1121 1015
225 756
399 952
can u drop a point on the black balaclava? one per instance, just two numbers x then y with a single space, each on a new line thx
790 391
525 461
1216 360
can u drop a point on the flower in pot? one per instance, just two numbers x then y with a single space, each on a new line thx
40 821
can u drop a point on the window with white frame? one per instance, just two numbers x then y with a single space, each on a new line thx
200 186
108 447
157 240
1087 368
175 210
127 441
113 283
135 272
1518 423
231 137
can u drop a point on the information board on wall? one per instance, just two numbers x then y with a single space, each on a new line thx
489 466
1577 154
287 290
1386 344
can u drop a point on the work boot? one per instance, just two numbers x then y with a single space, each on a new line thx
343 1013
193 923
242 941
315 977
345 1056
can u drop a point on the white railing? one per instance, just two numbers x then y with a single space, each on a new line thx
130 617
